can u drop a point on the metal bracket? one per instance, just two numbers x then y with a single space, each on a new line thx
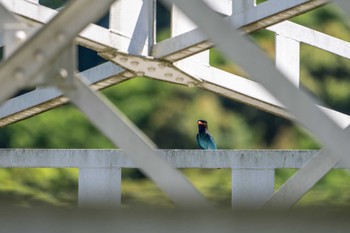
14 35
153 68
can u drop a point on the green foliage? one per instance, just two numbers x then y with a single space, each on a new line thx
38 186
64 127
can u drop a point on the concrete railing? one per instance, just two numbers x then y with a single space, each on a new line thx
253 171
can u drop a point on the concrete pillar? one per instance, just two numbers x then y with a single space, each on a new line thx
99 187
288 58
134 19
251 187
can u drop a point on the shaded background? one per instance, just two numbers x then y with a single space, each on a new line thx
167 113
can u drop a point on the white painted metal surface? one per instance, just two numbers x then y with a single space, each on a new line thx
288 57
99 187
132 19
251 187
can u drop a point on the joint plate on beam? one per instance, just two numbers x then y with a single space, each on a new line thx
146 66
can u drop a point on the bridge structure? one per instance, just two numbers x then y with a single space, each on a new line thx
39 51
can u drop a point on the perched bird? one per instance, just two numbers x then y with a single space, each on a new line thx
204 139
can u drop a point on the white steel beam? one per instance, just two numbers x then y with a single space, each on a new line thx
125 135
344 5
238 9
251 187
6 18
181 24
99 187
288 57
273 11
134 20
302 181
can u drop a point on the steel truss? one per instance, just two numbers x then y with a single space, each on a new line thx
182 59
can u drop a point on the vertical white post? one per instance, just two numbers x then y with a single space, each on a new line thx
99 187
251 187
180 23
288 57
239 6
134 19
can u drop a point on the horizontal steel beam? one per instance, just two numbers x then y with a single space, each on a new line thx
312 37
93 158
259 17
246 91
44 99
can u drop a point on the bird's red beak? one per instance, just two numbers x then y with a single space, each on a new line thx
199 123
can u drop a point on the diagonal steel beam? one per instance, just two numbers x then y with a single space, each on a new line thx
141 150
302 181
19 69
344 5
245 54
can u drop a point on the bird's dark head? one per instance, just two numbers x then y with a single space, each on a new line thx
202 125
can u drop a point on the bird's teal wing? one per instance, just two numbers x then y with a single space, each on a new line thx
206 141
211 142
200 142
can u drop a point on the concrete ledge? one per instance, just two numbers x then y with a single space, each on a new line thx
80 158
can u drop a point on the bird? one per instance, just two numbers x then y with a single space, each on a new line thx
204 139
